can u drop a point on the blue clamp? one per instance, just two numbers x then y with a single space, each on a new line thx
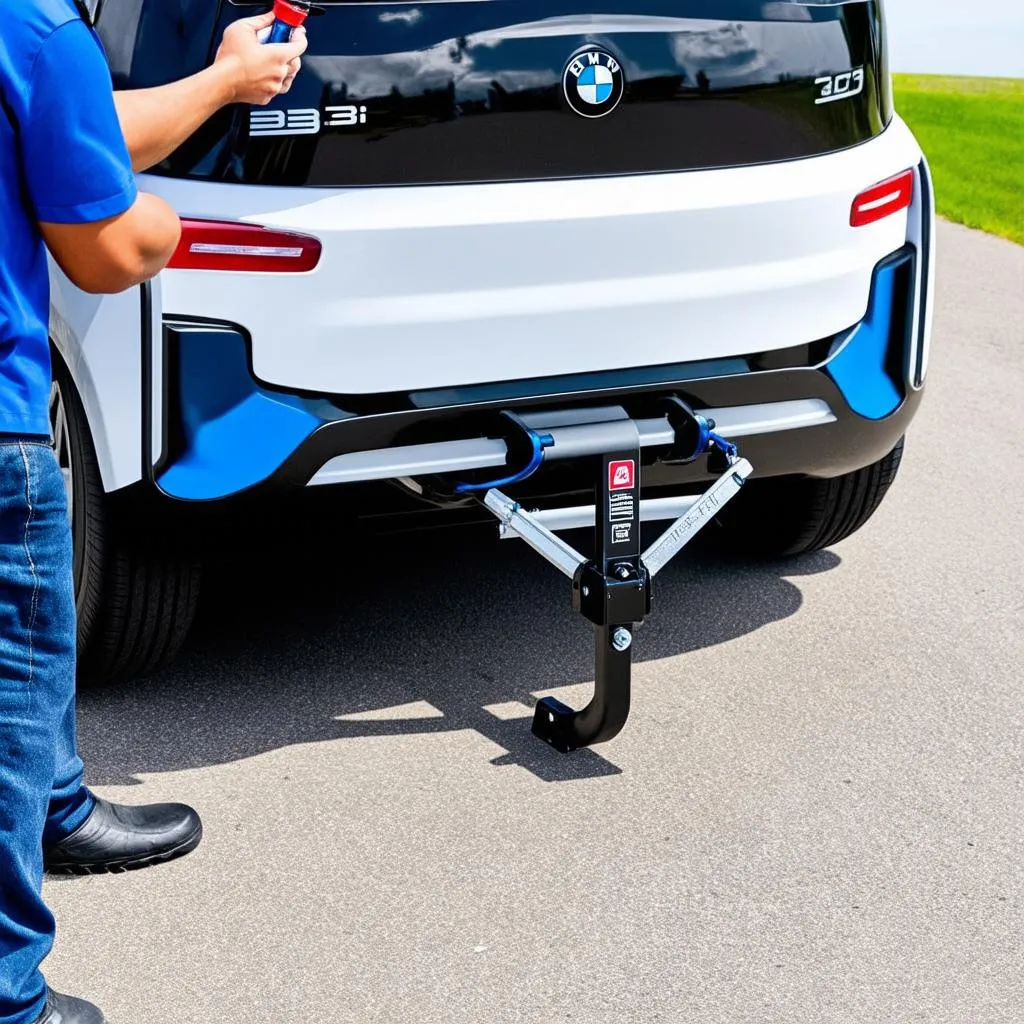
534 445
695 434
717 441
708 440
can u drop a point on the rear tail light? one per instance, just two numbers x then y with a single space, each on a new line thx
224 245
883 200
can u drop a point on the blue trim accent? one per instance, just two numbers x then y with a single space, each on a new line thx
233 434
859 367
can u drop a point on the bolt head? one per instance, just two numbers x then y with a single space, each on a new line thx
622 639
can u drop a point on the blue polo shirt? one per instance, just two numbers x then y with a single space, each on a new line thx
63 160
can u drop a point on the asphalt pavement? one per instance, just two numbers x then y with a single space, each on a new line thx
814 816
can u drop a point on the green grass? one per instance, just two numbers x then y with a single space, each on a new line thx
972 130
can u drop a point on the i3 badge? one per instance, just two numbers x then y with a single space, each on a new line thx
594 83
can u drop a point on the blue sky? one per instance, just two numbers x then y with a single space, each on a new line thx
957 37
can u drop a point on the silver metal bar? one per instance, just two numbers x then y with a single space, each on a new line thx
656 433
513 519
580 517
449 457
770 417
687 526
412 461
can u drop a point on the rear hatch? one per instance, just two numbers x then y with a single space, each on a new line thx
450 91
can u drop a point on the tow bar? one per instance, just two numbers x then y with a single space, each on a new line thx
612 590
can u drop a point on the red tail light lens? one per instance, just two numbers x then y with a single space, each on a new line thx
883 200
223 245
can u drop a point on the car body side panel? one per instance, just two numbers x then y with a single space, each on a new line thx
100 339
921 234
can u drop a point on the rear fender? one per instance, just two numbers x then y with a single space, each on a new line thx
107 343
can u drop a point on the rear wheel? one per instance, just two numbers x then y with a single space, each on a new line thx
136 586
795 515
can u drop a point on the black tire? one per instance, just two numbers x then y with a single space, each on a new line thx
786 516
136 584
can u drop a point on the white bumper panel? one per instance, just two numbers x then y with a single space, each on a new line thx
450 285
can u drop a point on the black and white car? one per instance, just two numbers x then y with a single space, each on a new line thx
469 207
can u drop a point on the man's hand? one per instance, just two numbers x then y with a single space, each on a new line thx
157 121
259 71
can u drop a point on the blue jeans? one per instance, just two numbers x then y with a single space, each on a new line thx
41 790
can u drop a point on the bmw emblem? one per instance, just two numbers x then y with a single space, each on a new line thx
594 83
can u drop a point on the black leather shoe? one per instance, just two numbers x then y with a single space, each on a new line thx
68 1010
119 838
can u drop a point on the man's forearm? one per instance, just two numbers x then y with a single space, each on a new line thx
155 122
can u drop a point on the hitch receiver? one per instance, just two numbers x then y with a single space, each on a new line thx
613 590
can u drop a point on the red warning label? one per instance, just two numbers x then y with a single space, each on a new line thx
622 475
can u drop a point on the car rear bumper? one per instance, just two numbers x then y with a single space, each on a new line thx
821 409
429 287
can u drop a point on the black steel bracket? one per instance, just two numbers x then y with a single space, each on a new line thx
612 590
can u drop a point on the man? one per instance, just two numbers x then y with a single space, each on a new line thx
66 158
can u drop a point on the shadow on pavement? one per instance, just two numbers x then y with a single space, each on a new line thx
288 640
